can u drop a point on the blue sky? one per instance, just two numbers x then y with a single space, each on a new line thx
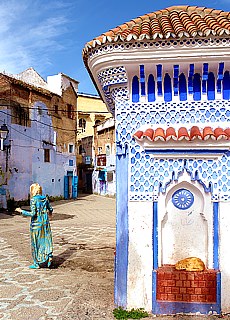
50 35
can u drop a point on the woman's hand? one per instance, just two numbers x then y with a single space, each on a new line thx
19 210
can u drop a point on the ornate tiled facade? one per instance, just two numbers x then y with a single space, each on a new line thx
165 76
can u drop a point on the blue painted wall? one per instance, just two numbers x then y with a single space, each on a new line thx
122 236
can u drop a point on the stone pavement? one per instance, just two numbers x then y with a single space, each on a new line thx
41 294
80 285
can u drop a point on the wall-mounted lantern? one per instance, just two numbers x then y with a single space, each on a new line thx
3 134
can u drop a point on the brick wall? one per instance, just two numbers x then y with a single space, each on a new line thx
186 286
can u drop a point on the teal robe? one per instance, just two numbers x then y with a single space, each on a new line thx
40 230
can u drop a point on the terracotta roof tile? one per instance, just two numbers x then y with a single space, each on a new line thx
172 22
195 133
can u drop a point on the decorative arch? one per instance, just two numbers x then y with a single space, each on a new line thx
135 89
182 87
151 88
197 87
167 88
226 86
211 86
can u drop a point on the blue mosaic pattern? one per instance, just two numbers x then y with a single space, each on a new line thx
183 199
109 77
149 175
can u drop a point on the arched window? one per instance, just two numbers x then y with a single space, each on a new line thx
196 87
182 87
226 86
135 89
151 88
211 86
167 88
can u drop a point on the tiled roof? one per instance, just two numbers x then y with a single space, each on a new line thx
182 134
172 22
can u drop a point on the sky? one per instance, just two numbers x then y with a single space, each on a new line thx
49 35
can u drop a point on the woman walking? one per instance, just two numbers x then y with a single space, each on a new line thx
40 230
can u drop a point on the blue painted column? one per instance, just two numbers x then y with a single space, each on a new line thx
122 234
216 253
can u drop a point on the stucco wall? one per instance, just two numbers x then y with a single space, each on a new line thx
140 263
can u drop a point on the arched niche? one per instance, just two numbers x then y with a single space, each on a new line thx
185 219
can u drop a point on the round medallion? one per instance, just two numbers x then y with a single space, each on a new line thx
182 199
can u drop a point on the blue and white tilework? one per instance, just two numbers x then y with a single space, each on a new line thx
150 175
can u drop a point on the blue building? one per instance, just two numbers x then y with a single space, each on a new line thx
165 77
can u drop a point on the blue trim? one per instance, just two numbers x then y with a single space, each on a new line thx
182 87
142 79
165 307
215 235
154 291
211 86
135 89
184 151
175 79
205 71
167 88
155 235
159 80
122 231
151 88
218 292
226 86
190 79
196 87
221 71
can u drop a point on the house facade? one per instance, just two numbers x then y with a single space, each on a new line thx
91 110
41 143
104 174
165 76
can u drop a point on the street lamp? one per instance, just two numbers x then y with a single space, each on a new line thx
3 133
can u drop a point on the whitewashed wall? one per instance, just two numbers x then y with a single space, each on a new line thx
140 262
224 218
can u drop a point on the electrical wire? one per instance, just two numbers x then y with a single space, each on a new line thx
23 134
35 120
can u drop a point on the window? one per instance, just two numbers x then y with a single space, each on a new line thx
20 115
56 108
99 150
82 124
46 155
39 110
70 111
70 163
71 148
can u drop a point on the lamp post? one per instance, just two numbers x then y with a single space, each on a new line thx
3 134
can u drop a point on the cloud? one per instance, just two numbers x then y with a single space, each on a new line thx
31 32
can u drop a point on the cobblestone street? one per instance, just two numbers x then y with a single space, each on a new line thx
80 283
